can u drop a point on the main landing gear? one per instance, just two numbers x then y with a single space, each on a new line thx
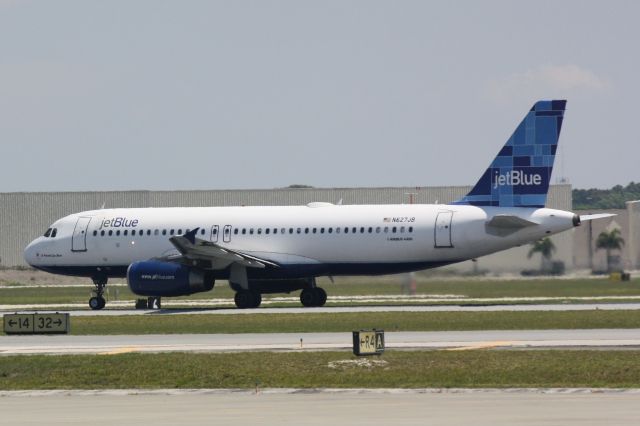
97 302
247 299
313 297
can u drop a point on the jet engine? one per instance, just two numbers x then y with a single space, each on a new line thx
156 278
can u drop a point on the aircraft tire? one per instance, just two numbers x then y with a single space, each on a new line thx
245 299
321 296
97 303
257 299
308 297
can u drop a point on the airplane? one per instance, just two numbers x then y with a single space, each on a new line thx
165 252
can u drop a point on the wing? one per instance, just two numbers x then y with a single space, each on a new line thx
195 249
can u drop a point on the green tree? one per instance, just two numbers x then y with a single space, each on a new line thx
546 248
609 241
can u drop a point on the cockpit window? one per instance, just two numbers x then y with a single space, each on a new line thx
54 232
46 234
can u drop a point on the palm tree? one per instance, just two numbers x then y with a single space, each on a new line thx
608 241
546 248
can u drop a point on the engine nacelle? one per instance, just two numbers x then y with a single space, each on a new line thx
155 278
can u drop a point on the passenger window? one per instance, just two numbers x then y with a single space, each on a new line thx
282 231
202 231
330 230
235 231
215 231
298 230
171 232
377 230
110 232
267 230
411 229
401 229
314 230
306 230
275 230
386 229
394 229
362 229
179 231
251 231
133 232
291 230
102 233
354 230
244 231
148 231
346 230
126 231
322 230
164 232
370 229
95 233
118 233
337 230
259 231
156 232
48 233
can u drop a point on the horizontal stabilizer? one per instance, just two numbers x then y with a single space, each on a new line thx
587 217
509 221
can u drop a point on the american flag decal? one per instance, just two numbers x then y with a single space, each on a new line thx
386 219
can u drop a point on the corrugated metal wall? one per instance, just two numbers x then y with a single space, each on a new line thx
24 216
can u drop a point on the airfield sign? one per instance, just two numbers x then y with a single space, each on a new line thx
53 323
368 342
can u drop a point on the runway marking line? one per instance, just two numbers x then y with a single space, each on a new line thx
488 345
123 350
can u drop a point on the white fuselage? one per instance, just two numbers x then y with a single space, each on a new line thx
318 239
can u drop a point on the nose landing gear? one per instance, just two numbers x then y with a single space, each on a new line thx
97 302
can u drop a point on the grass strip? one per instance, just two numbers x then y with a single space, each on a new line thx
418 369
346 322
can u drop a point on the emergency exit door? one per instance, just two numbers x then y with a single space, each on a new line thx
443 230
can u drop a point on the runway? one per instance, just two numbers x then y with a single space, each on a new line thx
450 340
338 309
355 407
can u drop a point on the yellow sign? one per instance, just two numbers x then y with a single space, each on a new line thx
367 342
51 323
36 323
18 323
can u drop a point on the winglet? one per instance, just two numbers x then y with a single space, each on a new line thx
519 175
191 235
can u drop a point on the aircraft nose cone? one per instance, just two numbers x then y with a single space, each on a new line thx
31 253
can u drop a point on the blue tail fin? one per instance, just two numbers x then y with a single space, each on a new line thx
519 176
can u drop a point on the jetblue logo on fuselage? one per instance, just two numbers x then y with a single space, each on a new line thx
118 222
515 178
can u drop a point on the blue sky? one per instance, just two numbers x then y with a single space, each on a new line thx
133 94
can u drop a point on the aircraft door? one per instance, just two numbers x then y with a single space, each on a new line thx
79 238
214 233
443 230
226 235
